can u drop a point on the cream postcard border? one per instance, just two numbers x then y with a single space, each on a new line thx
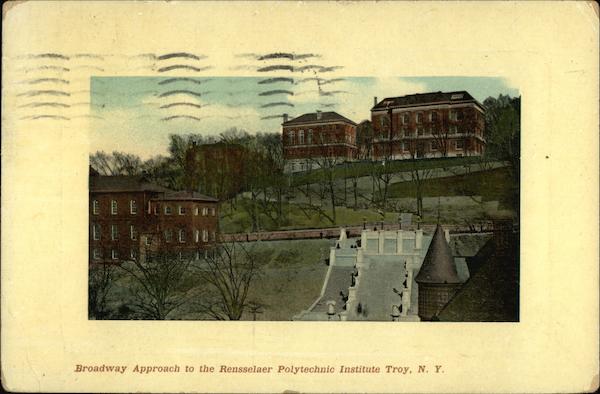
549 51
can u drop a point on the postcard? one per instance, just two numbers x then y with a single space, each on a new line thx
300 196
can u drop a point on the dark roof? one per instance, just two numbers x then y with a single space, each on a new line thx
490 294
326 117
184 195
438 265
419 99
122 183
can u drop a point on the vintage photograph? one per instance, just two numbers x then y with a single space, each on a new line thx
301 194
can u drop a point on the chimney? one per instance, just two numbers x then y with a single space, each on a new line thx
285 118
374 101
318 115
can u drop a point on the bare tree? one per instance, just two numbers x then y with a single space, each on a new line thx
158 284
228 271
101 280
117 163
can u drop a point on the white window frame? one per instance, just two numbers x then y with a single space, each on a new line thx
148 240
204 235
204 211
181 209
405 118
168 235
156 209
196 211
96 254
168 210
291 137
114 232
301 137
419 119
181 235
309 137
132 207
96 232
213 211
95 207
197 236
114 254
431 114
132 232
114 208
133 254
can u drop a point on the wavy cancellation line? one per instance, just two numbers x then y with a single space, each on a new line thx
183 67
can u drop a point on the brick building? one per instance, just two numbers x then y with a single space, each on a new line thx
428 125
128 215
312 138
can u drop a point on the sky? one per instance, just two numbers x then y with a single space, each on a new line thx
137 114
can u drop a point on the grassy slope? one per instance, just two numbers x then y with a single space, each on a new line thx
292 277
361 169
492 185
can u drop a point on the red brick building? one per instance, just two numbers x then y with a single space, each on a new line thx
128 215
311 138
428 125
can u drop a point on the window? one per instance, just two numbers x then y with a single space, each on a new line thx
114 254
433 145
168 235
97 254
148 240
433 129
132 232
433 116
114 232
309 137
181 210
407 132
133 207
95 207
156 208
453 129
405 147
196 210
95 231
406 118
459 115
420 117
168 210
204 211
133 254
460 144
181 235
291 137
455 115
204 235
420 130
214 236
113 207
197 236
301 137
213 211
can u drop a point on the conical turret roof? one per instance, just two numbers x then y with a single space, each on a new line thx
438 265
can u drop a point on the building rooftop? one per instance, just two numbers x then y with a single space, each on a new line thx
420 99
122 183
326 117
185 195
438 265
